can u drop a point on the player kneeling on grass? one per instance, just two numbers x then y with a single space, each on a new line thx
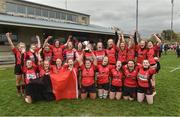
38 86
116 84
144 82
103 78
30 75
130 81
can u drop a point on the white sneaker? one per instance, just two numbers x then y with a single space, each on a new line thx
154 93
27 100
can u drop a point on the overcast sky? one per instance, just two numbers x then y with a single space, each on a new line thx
154 15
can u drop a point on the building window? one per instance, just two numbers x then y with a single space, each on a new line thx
52 14
63 16
21 9
11 7
44 13
3 38
30 11
58 15
69 17
84 19
38 12
74 18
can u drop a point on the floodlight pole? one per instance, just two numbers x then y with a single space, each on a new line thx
172 17
137 15
66 4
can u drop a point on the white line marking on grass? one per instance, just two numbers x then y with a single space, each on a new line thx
171 67
175 69
1 69
168 68
7 80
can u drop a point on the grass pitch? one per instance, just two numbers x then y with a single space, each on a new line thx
167 100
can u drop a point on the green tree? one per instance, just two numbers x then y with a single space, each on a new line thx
166 34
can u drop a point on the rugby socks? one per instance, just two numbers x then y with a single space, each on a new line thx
153 89
105 96
101 96
18 87
23 89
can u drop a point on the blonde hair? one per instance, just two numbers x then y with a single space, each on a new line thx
21 44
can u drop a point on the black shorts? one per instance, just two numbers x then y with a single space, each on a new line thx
18 70
88 89
147 91
115 89
153 64
158 67
129 91
103 86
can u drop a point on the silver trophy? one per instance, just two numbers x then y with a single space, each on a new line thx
85 43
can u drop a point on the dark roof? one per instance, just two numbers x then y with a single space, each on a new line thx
45 24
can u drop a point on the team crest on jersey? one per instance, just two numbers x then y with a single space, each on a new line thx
142 77
99 57
70 55
30 76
